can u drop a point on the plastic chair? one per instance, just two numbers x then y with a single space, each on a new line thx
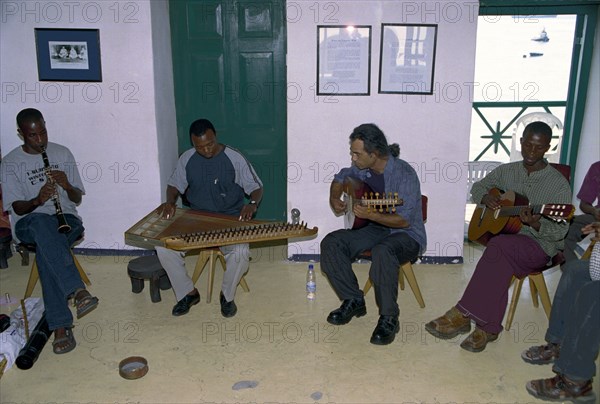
537 284
476 170
553 155
405 269
210 256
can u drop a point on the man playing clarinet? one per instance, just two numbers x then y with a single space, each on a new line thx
41 187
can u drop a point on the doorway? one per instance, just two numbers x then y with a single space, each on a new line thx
229 67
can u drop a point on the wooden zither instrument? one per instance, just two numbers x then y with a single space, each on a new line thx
191 230
486 222
357 192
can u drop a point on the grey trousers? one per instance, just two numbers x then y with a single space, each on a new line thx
237 259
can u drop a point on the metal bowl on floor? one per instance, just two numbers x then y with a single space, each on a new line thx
133 367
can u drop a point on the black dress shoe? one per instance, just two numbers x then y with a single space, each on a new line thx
184 305
386 330
348 309
228 309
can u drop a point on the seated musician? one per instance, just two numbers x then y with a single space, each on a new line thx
32 200
393 238
214 178
573 336
506 255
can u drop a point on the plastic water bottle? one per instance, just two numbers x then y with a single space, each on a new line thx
311 283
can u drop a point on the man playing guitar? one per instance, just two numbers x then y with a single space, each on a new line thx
394 234
530 249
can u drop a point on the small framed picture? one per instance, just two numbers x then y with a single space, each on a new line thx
68 54
343 59
407 58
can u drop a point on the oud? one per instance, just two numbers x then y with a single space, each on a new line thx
487 222
357 192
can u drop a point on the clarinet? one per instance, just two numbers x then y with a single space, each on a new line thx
63 226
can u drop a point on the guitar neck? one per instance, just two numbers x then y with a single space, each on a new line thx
377 202
506 211
515 210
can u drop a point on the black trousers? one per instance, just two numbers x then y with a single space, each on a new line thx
340 248
575 322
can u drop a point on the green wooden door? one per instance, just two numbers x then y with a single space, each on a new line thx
229 67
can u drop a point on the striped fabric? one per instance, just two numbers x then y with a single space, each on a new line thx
595 262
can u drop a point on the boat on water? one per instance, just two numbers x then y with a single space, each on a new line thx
542 37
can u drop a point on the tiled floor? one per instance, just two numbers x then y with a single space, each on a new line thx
278 348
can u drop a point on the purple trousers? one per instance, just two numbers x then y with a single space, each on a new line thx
486 296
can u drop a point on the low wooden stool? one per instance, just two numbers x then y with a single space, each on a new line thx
148 267
5 243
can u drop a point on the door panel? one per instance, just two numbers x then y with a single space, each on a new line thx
229 67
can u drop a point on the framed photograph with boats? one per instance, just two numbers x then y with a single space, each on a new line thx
68 54
407 58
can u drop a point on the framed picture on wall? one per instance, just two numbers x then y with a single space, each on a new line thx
407 58
68 54
343 60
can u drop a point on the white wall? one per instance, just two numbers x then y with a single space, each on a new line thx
432 131
114 128
127 149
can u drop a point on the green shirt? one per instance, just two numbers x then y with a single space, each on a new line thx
539 187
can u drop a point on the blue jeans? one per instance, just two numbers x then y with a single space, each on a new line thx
58 274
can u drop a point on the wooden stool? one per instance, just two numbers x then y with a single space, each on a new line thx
404 270
537 285
34 275
148 267
5 242
210 255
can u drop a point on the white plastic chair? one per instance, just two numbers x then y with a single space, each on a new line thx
553 155
476 170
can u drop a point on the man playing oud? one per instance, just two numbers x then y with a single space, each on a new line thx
507 255
394 238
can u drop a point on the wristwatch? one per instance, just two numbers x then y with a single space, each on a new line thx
252 202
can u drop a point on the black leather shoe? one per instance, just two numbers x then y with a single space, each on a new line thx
184 305
386 330
228 309
348 309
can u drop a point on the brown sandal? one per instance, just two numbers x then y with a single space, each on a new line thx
559 388
542 354
69 339
84 302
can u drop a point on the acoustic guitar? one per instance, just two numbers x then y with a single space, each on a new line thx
487 222
357 192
